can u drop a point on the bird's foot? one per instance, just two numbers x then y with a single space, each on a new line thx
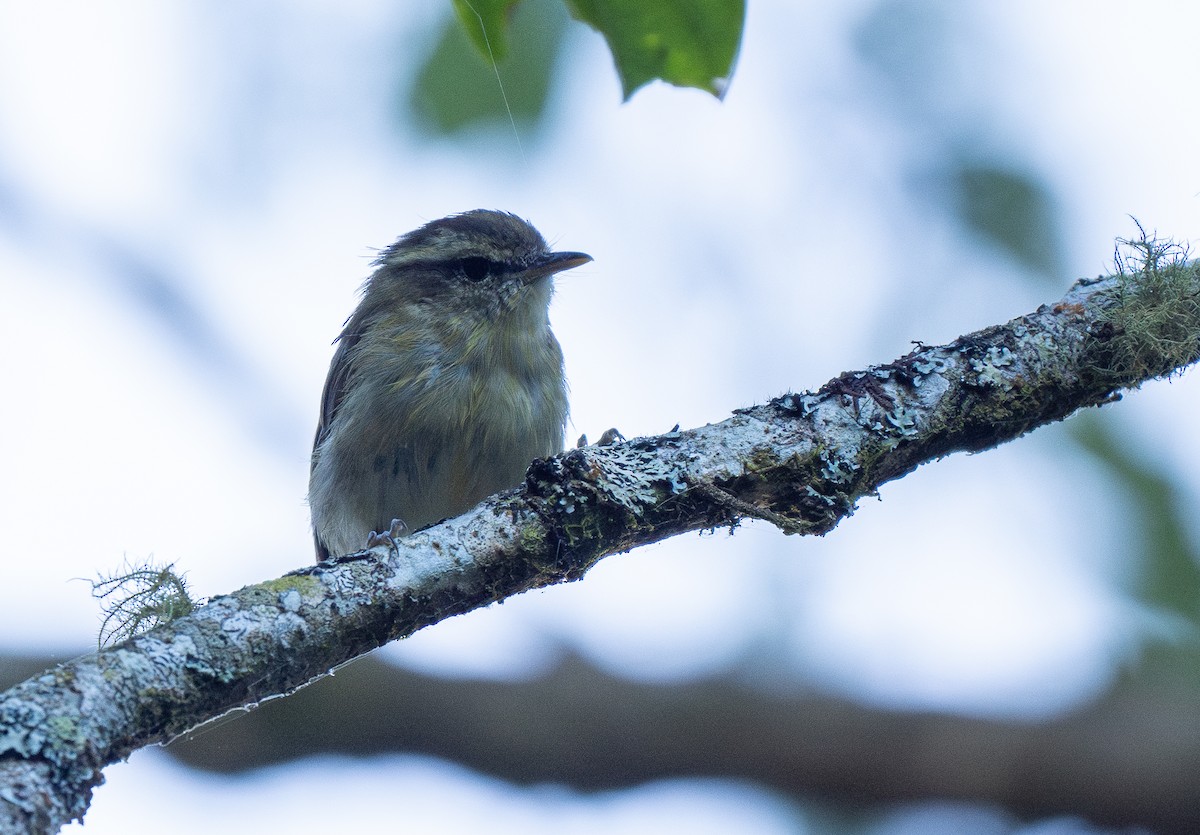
396 530
610 437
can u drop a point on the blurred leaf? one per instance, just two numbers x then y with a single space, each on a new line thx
486 22
1011 210
688 43
457 89
1170 575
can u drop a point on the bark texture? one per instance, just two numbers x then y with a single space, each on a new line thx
801 461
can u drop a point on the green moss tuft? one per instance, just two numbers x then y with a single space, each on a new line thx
305 584
139 598
1154 317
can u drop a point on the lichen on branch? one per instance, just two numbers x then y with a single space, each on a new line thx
800 461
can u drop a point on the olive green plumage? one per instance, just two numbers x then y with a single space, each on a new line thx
447 381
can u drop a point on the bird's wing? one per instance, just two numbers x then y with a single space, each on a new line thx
335 382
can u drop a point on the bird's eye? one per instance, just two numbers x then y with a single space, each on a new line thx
475 268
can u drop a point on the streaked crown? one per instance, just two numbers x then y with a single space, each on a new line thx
494 236
486 256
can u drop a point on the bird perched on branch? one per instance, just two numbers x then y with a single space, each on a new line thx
447 381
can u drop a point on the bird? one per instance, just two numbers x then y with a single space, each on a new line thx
447 381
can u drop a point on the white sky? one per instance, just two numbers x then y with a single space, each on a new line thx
741 249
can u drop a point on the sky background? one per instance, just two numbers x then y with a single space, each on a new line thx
191 194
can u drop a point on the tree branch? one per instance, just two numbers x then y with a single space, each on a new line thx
801 461
1128 760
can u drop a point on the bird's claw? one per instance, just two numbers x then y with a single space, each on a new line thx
610 437
396 530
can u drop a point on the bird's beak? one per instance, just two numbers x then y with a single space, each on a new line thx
554 262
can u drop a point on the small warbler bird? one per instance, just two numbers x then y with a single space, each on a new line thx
447 381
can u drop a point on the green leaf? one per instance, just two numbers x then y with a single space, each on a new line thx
458 89
1012 210
486 22
1158 509
688 43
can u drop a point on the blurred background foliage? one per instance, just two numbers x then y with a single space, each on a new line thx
687 44
996 199
455 89
974 227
